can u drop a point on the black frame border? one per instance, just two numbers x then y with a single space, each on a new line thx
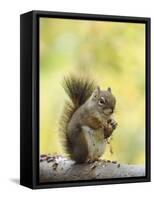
29 136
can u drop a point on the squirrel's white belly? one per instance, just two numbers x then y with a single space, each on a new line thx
96 142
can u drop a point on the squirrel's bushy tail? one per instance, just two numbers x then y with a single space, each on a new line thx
78 90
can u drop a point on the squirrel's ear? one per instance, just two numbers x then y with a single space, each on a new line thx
96 91
109 89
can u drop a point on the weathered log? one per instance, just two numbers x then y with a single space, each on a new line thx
58 168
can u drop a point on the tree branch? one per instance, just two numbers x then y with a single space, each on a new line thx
58 168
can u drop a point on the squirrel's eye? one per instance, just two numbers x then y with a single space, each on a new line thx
101 101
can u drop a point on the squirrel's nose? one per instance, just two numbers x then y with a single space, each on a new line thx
110 110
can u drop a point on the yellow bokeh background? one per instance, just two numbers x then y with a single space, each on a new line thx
110 53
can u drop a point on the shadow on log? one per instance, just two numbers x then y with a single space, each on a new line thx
58 168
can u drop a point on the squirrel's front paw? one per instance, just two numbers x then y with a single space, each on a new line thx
112 123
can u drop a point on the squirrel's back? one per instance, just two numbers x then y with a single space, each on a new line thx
79 90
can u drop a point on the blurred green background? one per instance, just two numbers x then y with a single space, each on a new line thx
112 54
